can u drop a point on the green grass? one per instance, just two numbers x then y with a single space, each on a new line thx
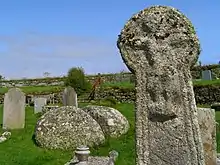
125 145
20 149
118 84
131 85
35 89
126 85
207 82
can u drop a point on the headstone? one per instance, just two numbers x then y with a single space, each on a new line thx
159 45
207 126
14 109
70 97
206 75
38 104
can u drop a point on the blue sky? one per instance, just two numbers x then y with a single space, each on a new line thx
52 36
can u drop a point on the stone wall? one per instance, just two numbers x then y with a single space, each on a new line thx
57 81
117 77
208 94
119 94
203 95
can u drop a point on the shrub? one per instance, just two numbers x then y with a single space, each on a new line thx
76 79
216 107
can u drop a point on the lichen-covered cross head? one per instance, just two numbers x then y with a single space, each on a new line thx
158 36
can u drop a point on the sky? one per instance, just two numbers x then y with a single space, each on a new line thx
52 36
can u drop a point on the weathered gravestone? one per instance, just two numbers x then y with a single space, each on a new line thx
70 97
206 75
38 104
14 109
159 45
207 125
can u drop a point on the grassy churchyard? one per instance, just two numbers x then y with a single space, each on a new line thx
21 149
51 89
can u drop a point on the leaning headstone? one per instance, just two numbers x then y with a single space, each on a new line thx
207 126
159 45
206 75
14 109
70 97
38 104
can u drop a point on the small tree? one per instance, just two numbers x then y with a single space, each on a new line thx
46 74
76 78
2 77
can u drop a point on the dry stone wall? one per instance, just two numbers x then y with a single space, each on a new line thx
57 81
33 82
204 95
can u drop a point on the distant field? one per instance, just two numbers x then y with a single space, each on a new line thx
131 85
119 84
35 89
206 82
50 89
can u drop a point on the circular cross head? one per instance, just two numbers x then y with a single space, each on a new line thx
158 36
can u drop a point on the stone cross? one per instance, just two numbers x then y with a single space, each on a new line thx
14 109
38 104
70 97
159 45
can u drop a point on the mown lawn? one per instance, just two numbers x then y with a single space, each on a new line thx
21 149
35 89
206 82
125 84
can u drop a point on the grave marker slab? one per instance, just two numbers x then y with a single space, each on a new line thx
159 45
14 109
38 104
207 75
207 126
70 97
